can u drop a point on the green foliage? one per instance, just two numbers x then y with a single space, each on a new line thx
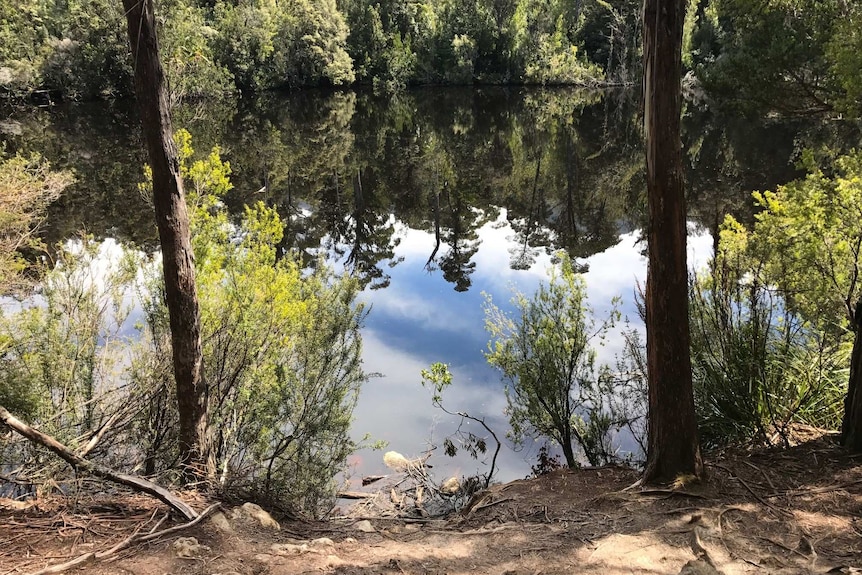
808 234
27 186
787 55
556 62
547 359
79 49
438 378
757 367
244 42
844 52
281 350
771 329
62 350
86 53
186 50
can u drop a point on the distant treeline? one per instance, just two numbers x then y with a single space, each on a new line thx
77 49
793 56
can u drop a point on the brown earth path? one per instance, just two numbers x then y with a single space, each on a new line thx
782 511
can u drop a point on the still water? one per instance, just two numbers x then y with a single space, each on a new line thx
433 198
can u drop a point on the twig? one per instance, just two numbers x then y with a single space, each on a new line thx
762 472
491 504
783 546
670 493
763 501
159 522
99 434
59 568
814 490
125 543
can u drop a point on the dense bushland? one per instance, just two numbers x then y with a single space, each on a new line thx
87 359
77 50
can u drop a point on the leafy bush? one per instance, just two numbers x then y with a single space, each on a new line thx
758 364
62 356
27 186
547 359
757 368
281 352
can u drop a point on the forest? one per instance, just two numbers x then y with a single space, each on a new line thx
775 317
792 56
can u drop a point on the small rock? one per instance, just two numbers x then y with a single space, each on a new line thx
450 486
364 526
189 548
322 542
402 529
263 558
334 561
264 518
349 540
220 522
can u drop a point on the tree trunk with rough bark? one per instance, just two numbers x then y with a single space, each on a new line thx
673 447
851 426
173 224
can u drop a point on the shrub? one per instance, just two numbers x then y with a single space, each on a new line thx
547 359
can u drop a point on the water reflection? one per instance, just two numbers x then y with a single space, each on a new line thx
431 198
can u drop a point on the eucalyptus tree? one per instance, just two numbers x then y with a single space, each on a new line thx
673 447
172 221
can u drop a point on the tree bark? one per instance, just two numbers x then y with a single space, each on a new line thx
673 447
851 426
173 225
81 464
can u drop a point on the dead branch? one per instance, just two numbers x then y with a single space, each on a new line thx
94 441
813 490
81 464
372 478
59 568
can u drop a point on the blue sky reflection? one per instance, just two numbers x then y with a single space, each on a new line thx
420 319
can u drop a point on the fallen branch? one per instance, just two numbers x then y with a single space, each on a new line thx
813 490
59 568
81 464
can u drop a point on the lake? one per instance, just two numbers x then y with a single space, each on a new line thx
432 197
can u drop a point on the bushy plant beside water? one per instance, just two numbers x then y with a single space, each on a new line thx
62 357
773 321
281 355
546 356
281 350
757 366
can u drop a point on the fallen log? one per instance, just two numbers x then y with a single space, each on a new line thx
81 464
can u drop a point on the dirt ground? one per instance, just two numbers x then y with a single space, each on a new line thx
782 511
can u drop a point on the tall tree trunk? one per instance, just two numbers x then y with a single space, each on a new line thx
173 224
673 447
851 426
